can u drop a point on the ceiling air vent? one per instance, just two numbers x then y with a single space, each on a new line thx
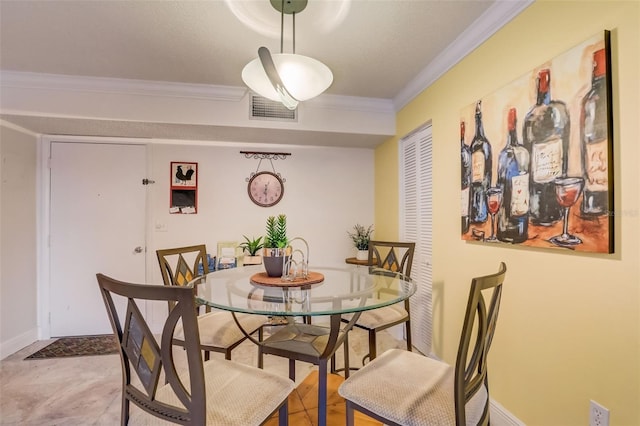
266 109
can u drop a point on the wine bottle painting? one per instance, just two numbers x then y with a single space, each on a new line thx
544 142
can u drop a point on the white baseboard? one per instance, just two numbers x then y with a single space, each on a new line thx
14 344
501 417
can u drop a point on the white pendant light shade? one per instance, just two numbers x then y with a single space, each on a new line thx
303 77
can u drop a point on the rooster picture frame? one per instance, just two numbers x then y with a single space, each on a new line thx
184 187
184 174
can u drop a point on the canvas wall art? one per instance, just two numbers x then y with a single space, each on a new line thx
536 156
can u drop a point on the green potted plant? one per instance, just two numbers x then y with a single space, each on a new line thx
252 246
361 237
275 245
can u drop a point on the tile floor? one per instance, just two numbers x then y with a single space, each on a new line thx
86 390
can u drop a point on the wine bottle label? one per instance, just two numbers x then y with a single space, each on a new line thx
546 160
464 202
477 166
596 166
520 194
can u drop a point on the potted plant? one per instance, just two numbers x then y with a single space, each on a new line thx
361 237
253 247
275 245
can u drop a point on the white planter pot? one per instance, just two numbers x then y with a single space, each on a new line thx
362 255
253 260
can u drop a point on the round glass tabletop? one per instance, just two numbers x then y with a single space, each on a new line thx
327 291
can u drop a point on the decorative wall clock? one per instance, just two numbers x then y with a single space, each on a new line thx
265 189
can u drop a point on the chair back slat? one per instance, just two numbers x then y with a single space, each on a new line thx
141 348
394 256
477 335
180 265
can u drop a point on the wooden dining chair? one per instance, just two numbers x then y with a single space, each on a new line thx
199 393
396 257
407 388
218 330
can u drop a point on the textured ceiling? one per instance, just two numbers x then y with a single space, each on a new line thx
374 48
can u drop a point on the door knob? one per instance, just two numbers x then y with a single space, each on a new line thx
138 249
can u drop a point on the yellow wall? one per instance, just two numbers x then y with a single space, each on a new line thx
569 326
386 196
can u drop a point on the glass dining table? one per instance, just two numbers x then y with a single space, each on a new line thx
293 305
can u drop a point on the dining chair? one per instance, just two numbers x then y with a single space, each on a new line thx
406 388
312 344
218 330
396 257
199 393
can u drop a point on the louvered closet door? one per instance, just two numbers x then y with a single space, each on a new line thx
416 225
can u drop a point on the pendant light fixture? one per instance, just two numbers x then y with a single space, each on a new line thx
287 77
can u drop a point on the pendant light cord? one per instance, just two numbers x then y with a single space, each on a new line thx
282 29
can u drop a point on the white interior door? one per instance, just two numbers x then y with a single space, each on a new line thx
97 225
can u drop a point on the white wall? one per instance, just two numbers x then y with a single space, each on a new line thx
18 301
327 191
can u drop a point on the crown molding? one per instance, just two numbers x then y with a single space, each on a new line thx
352 103
495 17
29 80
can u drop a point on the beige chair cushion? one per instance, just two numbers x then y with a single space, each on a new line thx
380 317
220 330
409 389
237 394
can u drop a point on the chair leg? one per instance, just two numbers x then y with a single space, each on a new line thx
260 354
124 416
207 355
349 414
322 392
292 369
346 356
372 345
345 351
407 327
283 414
227 354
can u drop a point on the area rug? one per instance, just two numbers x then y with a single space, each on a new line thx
78 346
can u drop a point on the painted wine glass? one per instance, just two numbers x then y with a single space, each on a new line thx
494 201
568 190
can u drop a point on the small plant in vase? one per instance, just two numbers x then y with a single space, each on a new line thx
253 247
276 245
361 237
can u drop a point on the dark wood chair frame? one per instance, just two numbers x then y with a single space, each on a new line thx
138 348
471 360
169 279
398 263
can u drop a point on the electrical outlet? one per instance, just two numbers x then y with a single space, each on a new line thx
598 415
